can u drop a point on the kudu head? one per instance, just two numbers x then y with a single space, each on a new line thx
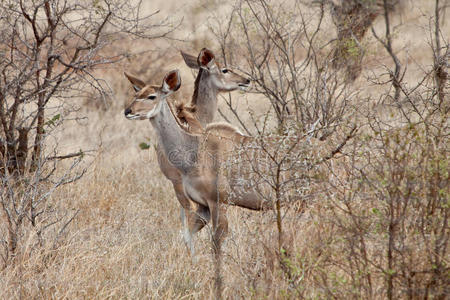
146 102
221 79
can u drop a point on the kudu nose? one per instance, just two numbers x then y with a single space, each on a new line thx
247 81
127 111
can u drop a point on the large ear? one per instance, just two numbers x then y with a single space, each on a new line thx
206 58
172 82
136 82
190 60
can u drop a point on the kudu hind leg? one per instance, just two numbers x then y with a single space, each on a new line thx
220 230
219 224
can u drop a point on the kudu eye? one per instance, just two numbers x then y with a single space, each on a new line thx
151 97
224 71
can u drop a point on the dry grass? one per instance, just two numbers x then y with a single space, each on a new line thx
125 241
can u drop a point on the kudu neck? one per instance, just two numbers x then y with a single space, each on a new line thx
179 146
204 98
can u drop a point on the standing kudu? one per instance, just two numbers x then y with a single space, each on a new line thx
211 80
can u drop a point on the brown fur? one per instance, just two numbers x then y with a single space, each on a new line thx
226 131
186 118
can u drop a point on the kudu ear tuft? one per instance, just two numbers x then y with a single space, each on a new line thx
190 60
172 82
205 58
136 82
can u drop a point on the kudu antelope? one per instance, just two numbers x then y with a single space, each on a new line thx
210 81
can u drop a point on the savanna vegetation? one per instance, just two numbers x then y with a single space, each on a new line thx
349 108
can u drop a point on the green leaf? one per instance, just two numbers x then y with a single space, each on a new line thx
52 121
390 272
144 146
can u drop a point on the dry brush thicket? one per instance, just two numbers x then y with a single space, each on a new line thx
350 109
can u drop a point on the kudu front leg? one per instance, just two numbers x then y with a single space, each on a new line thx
188 217
200 217
193 220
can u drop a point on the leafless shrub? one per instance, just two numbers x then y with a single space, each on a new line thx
390 205
49 51
384 203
